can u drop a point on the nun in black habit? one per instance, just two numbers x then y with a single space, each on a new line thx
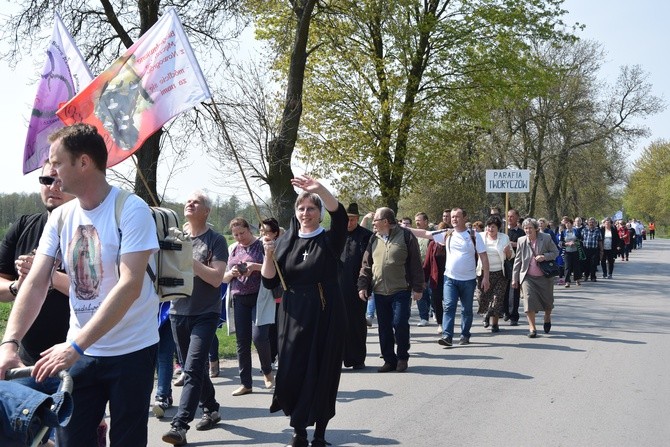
311 316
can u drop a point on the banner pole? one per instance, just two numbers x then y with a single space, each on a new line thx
145 182
222 124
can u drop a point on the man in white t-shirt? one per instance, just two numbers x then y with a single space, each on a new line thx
460 273
111 344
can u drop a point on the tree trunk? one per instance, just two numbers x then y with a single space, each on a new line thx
280 150
147 163
391 186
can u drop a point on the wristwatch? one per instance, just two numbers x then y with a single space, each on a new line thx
12 288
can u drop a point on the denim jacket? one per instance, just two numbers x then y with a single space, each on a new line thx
24 411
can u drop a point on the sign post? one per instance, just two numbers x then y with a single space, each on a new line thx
507 181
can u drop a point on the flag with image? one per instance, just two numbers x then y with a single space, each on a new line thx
156 79
65 73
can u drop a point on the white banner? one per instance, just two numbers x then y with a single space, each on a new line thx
155 80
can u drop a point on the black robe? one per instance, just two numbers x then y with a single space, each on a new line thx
310 323
357 329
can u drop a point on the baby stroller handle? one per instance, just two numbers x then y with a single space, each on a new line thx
19 373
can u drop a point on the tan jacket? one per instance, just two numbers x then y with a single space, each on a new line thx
524 253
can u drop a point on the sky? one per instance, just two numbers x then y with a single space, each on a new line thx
631 33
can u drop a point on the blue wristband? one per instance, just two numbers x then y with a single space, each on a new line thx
76 347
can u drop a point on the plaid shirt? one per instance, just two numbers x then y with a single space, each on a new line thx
591 238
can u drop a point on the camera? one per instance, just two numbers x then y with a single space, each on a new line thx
242 267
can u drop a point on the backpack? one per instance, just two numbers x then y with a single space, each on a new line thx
174 259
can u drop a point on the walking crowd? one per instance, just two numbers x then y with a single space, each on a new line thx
315 289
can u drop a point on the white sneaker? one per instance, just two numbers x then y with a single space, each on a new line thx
439 329
422 323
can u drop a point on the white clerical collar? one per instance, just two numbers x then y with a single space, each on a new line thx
316 232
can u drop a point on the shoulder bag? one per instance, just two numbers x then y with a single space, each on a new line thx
549 268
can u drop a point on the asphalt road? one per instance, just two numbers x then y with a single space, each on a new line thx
599 379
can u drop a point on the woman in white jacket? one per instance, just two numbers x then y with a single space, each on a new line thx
498 250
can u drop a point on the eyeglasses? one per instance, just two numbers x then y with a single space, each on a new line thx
46 180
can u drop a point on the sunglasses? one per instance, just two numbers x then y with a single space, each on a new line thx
46 180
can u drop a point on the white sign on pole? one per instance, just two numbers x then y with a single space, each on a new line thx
507 180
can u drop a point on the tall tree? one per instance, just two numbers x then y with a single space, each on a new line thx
277 22
387 69
647 195
576 134
104 29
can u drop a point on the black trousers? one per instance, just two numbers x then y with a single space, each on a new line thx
516 298
607 262
592 261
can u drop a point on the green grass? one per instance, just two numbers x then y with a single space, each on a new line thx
4 315
227 343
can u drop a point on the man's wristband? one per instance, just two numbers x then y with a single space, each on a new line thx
13 340
76 347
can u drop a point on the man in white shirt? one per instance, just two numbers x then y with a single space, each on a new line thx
111 344
460 274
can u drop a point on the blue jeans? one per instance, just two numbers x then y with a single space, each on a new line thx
393 321
125 381
370 313
193 336
245 331
165 360
453 291
424 304
26 407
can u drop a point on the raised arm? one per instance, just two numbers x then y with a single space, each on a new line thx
307 183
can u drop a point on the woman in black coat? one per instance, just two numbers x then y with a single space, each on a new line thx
611 242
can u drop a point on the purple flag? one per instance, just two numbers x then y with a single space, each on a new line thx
65 73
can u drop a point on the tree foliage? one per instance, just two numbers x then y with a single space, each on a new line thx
572 131
385 73
647 195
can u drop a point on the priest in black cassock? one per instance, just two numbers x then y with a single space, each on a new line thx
357 329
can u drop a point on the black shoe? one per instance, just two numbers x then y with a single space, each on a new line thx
387 367
532 334
298 441
487 321
161 404
208 421
464 341
547 327
514 323
506 317
495 328
358 366
316 442
445 341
